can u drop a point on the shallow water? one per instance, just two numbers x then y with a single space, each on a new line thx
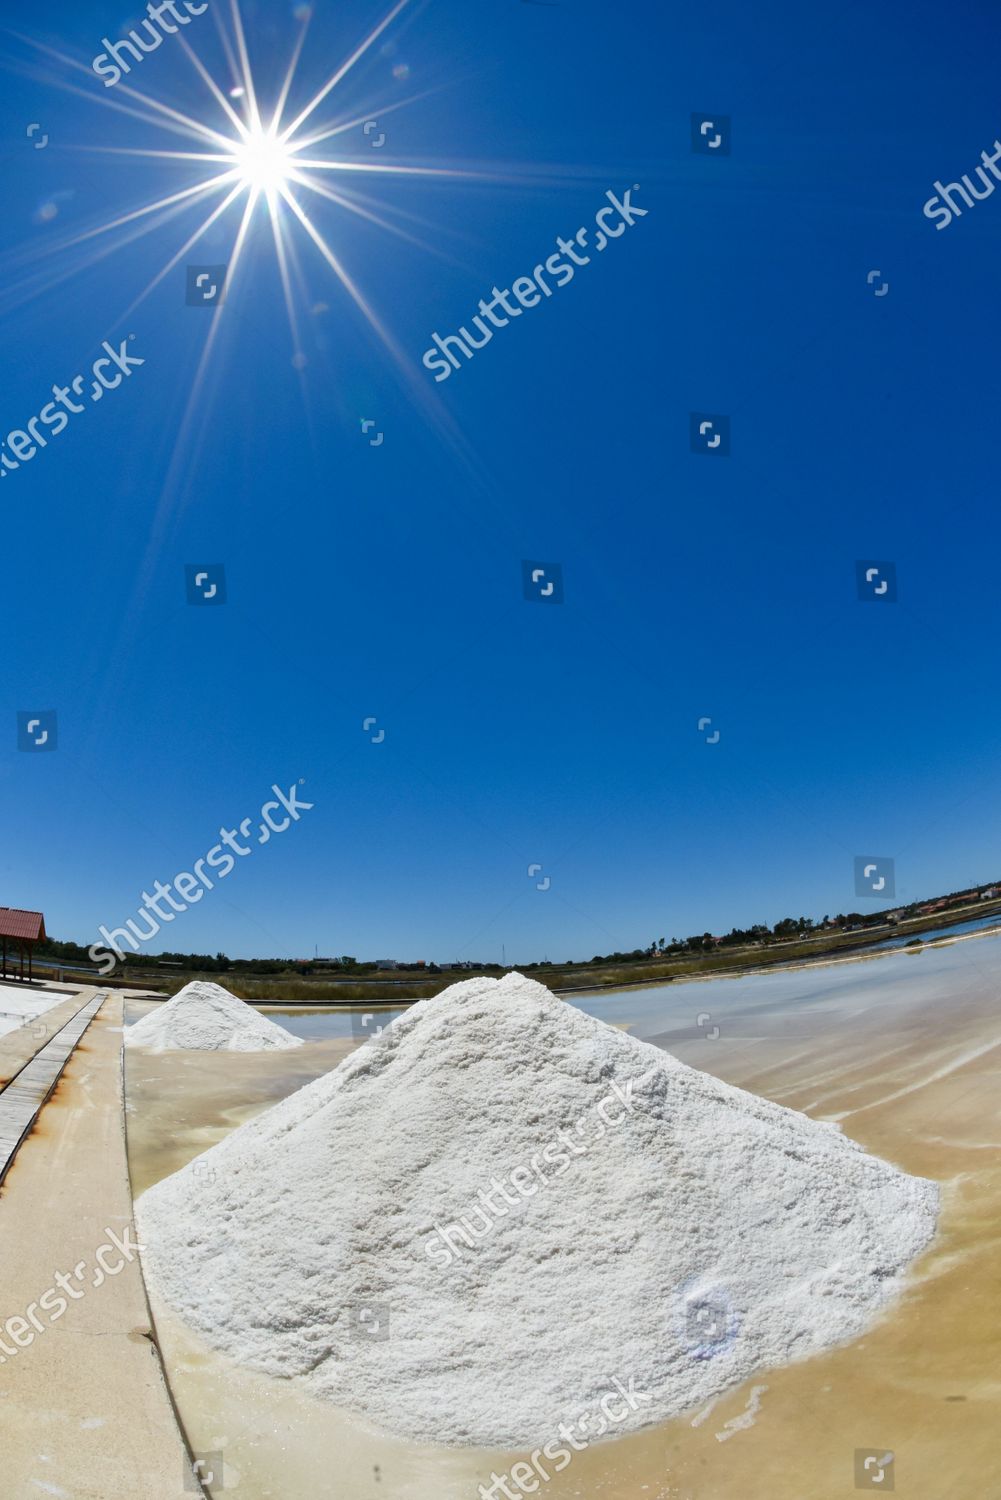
316 1025
764 1005
975 924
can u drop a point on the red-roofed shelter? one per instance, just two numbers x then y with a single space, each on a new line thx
22 929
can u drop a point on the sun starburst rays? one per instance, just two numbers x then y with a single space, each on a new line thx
254 154
270 156
250 167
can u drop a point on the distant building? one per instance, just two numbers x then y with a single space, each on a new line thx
387 963
22 930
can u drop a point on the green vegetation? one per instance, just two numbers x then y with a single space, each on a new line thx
346 981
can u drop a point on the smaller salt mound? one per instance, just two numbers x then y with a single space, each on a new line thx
204 1017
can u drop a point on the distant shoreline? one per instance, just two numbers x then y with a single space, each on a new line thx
785 966
299 991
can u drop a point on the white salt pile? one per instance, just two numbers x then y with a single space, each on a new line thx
19 1007
482 1218
205 1017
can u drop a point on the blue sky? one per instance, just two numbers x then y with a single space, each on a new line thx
386 582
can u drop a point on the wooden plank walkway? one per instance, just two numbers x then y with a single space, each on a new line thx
23 1098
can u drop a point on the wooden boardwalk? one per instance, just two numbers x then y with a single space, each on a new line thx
27 1091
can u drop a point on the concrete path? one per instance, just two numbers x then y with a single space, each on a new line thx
84 1410
25 1094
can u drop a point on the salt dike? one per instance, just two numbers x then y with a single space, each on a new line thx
205 1017
483 1217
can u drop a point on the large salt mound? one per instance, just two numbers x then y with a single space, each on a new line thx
206 1018
684 1244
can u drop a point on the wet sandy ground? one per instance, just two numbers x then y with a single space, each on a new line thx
178 1104
905 1053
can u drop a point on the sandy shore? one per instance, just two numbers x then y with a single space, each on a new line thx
911 1068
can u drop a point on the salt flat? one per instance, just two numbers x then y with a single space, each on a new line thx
20 1003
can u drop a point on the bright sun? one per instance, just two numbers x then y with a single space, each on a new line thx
264 161
266 164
